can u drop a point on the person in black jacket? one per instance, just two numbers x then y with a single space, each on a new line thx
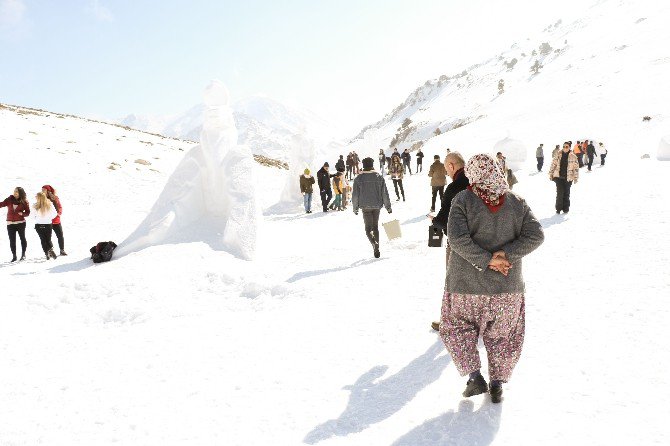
339 165
455 166
406 159
323 179
419 161
590 153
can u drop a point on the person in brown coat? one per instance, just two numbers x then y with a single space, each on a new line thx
306 187
564 171
438 179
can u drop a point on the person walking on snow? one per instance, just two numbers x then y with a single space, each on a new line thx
490 230
370 195
50 192
603 153
590 153
45 212
564 171
438 179
406 159
454 164
555 151
350 166
419 161
337 188
396 176
382 161
579 153
17 211
323 179
339 165
539 154
307 189
357 162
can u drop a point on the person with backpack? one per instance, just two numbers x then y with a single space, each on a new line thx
45 212
323 180
337 189
590 154
603 153
396 176
339 165
555 151
438 179
382 161
370 195
539 154
454 165
564 171
17 211
56 226
419 161
307 189
490 231
406 160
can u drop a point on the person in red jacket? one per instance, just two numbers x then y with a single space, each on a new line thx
50 192
17 209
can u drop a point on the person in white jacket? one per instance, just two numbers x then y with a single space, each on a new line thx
45 212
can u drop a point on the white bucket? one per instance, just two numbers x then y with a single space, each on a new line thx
392 229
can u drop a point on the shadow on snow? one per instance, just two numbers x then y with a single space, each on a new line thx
553 220
306 274
372 402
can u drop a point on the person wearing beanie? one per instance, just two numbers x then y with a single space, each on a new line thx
339 165
323 181
56 226
419 161
438 179
337 189
406 159
370 195
307 188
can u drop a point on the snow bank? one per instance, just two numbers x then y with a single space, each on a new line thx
664 149
514 151
210 196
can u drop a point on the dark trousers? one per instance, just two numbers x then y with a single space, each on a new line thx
419 166
12 230
44 231
371 220
540 163
58 229
590 161
396 183
436 190
562 194
406 167
580 158
325 199
602 159
350 172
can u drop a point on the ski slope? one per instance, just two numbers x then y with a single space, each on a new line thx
317 342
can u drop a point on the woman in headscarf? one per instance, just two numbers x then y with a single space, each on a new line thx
490 230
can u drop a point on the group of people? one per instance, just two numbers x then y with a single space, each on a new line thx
581 148
46 213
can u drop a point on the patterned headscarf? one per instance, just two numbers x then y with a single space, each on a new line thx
487 179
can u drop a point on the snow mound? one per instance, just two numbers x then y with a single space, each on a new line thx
664 149
210 196
514 151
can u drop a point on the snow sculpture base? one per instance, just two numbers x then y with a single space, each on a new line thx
663 153
301 158
210 197
514 151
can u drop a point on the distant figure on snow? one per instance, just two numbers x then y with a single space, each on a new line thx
307 189
579 153
419 161
17 211
539 154
555 151
438 179
603 153
339 165
370 194
350 165
45 212
337 188
382 162
323 178
50 192
396 176
490 230
590 153
406 159
511 179
564 171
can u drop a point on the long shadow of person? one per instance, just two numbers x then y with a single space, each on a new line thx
465 427
553 220
372 402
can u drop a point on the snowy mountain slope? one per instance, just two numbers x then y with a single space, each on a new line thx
265 125
602 70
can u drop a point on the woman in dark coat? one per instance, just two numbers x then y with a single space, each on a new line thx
17 209
490 230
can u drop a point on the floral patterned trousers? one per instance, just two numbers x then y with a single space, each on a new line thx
500 319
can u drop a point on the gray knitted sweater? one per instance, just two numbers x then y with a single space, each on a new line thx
475 233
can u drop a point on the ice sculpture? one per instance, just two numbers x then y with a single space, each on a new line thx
663 153
514 151
210 196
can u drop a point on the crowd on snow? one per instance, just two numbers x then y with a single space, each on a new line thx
45 213
489 229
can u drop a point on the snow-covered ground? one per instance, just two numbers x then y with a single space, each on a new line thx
316 341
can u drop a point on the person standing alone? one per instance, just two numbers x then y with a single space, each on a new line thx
419 161
603 153
370 195
323 178
406 160
539 154
438 179
564 171
307 189
396 176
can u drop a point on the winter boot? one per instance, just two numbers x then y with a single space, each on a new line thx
13 259
475 386
496 392
62 252
23 257
47 255
435 325
51 254
376 250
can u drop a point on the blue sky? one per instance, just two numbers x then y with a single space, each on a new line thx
349 61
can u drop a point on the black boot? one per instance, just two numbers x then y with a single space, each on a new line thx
496 392
51 254
475 386
13 259
23 257
47 255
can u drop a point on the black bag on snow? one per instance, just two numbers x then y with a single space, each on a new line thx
435 235
102 252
